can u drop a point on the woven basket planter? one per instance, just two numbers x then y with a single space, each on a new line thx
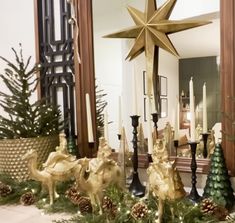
11 151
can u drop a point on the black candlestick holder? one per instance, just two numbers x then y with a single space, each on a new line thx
155 119
193 195
136 188
205 137
91 146
150 159
176 145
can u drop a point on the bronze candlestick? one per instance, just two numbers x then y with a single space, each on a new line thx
136 188
205 137
176 145
193 195
155 120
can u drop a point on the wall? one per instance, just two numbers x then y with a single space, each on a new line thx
114 73
183 8
17 26
108 67
203 69
168 67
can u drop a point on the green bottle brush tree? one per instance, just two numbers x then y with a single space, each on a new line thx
218 185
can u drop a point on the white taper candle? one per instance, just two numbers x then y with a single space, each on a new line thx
106 132
134 94
149 126
192 111
204 113
119 115
89 119
177 120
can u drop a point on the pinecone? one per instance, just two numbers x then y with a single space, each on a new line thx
208 206
73 195
84 205
221 213
230 218
4 189
107 203
27 199
109 206
139 211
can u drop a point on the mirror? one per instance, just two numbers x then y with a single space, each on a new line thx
115 75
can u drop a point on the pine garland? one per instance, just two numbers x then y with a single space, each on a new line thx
18 189
25 119
184 210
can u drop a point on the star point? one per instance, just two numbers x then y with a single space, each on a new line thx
150 32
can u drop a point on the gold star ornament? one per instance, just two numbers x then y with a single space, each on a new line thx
150 32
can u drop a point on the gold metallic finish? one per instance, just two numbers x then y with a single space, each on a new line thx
12 150
163 178
64 168
151 32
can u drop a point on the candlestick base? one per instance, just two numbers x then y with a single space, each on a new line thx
193 195
91 148
155 120
176 145
136 188
205 137
150 159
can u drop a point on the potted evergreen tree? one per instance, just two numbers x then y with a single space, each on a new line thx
24 124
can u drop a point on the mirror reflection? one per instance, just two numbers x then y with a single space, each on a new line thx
199 58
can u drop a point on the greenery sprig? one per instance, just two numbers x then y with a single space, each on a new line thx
184 210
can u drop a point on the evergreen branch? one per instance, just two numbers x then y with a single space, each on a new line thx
19 61
27 63
32 71
11 83
10 64
12 79
14 91
26 119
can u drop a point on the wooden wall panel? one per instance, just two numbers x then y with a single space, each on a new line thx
85 77
227 81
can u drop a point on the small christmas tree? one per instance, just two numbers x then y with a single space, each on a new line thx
218 185
23 118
